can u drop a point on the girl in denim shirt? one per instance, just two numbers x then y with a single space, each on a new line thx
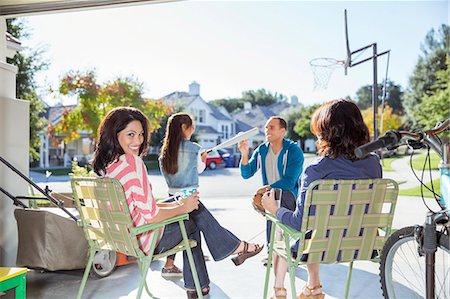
180 163
181 160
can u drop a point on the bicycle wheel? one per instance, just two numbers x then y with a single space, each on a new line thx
402 272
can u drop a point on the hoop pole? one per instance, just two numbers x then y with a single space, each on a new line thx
375 93
370 58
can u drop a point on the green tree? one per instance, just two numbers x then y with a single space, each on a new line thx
394 96
29 62
303 123
292 115
436 107
230 104
259 97
262 97
422 82
96 100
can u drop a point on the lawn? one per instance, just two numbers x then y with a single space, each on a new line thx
416 190
420 159
387 163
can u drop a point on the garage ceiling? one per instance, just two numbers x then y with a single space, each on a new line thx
16 8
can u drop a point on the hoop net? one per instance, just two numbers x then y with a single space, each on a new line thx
322 69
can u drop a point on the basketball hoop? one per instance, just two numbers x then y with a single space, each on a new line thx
322 69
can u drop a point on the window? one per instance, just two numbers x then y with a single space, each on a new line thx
201 116
225 133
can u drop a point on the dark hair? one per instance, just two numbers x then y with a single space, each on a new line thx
108 148
281 120
172 140
339 127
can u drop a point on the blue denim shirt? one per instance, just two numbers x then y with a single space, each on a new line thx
187 175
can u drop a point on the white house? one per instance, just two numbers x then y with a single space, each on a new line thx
213 124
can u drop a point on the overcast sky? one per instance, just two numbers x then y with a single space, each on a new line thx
229 47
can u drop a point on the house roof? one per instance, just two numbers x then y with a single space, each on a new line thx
279 107
217 114
182 98
206 130
178 98
54 114
256 117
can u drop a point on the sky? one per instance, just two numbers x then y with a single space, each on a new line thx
232 46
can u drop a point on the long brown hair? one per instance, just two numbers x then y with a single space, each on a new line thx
340 128
173 139
108 148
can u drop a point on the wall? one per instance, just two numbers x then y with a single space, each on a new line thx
14 147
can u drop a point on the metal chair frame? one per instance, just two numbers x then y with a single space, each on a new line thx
106 221
344 221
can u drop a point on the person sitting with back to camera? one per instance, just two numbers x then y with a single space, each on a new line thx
340 129
122 139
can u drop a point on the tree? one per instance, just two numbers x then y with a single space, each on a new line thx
394 96
262 97
259 97
96 100
436 107
230 104
422 82
292 115
391 121
303 123
29 62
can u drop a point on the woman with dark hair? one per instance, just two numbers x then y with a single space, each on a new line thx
122 139
339 128
180 162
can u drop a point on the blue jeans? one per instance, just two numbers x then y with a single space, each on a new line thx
220 241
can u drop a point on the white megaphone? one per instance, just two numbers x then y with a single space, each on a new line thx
236 139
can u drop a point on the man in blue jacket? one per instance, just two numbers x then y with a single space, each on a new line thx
280 160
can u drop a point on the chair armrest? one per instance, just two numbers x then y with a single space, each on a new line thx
285 228
152 226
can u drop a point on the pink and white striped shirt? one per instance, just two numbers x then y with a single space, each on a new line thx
130 170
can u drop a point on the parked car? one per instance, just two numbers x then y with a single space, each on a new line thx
213 160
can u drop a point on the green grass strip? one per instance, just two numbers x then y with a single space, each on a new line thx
418 161
416 190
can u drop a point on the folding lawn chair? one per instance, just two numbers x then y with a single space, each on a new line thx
344 221
107 224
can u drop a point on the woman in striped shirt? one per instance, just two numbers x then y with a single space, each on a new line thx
122 138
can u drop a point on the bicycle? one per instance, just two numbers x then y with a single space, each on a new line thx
415 260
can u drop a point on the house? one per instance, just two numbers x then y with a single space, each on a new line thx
54 151
213 124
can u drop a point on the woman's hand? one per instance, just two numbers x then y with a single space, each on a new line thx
269 203
190 203
204 154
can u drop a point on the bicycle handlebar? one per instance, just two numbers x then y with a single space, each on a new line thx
393 138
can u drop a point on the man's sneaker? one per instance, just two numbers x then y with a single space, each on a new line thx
171 272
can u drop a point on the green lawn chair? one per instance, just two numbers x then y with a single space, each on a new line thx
106 220
333 235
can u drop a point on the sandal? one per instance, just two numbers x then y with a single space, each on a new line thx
275 296
311 295
192 294
245 254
